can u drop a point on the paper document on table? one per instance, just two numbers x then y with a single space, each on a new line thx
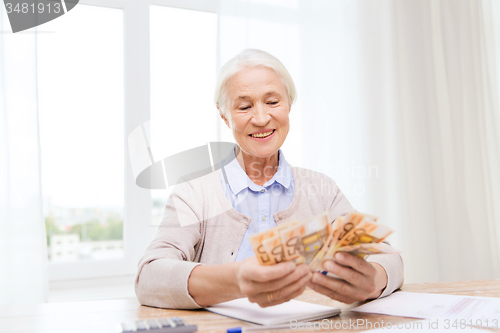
474 311
284 313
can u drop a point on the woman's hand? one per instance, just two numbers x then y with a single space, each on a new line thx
272 285
361 280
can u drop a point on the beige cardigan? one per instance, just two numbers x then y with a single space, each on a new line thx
201 227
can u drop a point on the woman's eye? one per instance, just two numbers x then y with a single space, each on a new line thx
273 102
245 108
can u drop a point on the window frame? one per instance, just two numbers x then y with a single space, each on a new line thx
137 201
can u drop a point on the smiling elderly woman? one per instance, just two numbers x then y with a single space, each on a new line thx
201 254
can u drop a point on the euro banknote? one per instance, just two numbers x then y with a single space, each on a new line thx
316 239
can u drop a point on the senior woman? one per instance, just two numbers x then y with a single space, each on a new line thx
201 254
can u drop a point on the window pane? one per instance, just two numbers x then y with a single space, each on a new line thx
80 75
183 114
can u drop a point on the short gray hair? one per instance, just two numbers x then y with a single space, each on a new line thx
250 58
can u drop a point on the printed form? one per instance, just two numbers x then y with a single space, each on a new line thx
473 311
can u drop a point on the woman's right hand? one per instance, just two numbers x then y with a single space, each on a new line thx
272 285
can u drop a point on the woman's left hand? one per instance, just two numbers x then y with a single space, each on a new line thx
361 280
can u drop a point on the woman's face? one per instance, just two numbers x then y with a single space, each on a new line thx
258 111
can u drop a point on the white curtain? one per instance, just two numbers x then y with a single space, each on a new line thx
398 103
23 250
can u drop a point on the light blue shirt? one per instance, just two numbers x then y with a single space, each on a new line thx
255 201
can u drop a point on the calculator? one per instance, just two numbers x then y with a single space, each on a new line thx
162 325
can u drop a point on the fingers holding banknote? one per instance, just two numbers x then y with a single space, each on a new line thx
359 279
274 284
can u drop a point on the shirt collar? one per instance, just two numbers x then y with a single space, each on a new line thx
238 180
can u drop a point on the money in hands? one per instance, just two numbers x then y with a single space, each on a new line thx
316 239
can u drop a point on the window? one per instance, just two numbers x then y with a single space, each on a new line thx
81 121
94 89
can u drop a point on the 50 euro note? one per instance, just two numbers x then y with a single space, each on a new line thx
272 240
367 234
341 227
315 264
367 231
348 223
314 240
363 250
256 241
301 242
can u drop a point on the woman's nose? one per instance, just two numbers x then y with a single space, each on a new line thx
261 116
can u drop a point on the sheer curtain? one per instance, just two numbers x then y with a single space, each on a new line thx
23 254
397 102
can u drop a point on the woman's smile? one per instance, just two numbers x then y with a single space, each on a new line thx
263 136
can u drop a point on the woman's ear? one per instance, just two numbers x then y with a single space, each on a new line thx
223 117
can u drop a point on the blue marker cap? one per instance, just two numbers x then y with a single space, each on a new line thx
234 330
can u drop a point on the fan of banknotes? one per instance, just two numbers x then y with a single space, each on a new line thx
316 239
